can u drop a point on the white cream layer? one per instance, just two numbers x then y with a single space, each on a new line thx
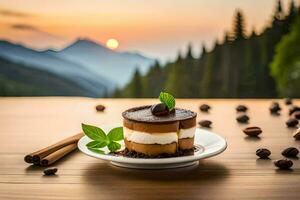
187 133
157 138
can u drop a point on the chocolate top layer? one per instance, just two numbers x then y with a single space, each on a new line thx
143 114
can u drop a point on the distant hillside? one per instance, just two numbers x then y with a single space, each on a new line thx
113 65
237 67
93 83
20 80
92 66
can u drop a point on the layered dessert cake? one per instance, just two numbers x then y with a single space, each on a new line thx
155 130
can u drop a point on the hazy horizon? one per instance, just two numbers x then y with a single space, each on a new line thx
157 29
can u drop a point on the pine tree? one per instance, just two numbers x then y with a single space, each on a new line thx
292 8
248 78
226 70
134 88
117 93
226 37
180 80
253 33
179 57
206 83
189 54
239 26
204 51
153 83
279 11
156 65
292 12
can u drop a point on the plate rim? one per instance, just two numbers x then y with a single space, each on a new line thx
158 161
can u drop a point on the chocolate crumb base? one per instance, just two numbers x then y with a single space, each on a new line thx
179 153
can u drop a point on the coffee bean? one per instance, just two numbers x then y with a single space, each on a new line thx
283 163
241 108
243 119
296 115
291 122
296 134
50 171
288 101
159 109
293 109
290 152
204 108
100 108
274 108
252 131
205 123
263 153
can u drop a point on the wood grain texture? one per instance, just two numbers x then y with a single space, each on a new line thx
28 124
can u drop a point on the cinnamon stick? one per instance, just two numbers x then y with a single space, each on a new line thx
37 156
53 157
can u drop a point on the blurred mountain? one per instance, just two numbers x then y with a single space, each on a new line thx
94 84
20 80
113 65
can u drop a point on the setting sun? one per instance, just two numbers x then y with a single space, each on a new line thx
112 43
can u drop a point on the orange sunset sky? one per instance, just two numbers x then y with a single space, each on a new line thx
157 28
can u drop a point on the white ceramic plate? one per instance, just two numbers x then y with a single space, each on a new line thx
209 144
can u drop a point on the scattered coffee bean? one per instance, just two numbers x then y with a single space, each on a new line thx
50 171
263 153
275 108
288 101
296 134
159 109
296 115
290 152
293 109
241 108
100 108
252 131
291 122
243 119
204 108
283 163
205 123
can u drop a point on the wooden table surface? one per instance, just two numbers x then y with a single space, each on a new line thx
27 124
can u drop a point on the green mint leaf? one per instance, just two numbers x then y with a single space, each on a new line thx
96 144
116 134
94 133
114 146
96 150
168 100
100 139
